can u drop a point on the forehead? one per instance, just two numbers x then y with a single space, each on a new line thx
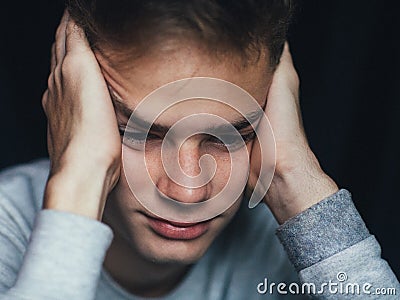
134 79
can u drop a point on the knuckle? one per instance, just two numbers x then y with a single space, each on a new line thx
45 100
73 30
50 80
60 32
57 72
293 77
70 28
65 67
69 64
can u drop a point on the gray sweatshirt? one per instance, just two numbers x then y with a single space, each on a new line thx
326 252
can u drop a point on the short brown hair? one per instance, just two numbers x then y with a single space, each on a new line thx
243 26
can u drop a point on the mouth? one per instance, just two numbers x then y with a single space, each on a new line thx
177 230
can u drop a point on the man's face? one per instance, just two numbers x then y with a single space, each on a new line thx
153 239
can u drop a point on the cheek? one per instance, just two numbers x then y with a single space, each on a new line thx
154 164
134 179
223 172
226 163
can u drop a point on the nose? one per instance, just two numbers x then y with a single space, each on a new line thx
183 188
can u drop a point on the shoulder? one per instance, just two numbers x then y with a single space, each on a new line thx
21 194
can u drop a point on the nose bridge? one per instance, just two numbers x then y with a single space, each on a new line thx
189 156
184 189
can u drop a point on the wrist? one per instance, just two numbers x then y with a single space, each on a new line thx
298 187
79 189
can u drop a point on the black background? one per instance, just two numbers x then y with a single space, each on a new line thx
346 53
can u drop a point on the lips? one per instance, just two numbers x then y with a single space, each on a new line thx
177 230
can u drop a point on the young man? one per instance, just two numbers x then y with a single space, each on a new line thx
84 234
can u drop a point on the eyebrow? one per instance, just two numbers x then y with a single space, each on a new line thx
239 124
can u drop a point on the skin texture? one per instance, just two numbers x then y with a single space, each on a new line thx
166 65
85 149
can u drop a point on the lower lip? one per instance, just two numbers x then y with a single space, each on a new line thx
175 232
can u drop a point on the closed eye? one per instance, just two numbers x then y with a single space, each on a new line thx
136 137
233 141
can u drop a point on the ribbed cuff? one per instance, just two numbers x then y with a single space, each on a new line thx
322 230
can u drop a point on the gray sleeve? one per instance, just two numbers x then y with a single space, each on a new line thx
62 260
334 253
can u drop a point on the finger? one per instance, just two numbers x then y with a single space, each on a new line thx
53 62
285 82
286 55
286 60
60 39
44 100
49 143
76 40
291 73
283 105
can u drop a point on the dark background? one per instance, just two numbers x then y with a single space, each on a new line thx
346 53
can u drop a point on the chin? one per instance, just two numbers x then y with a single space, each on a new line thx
161 251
